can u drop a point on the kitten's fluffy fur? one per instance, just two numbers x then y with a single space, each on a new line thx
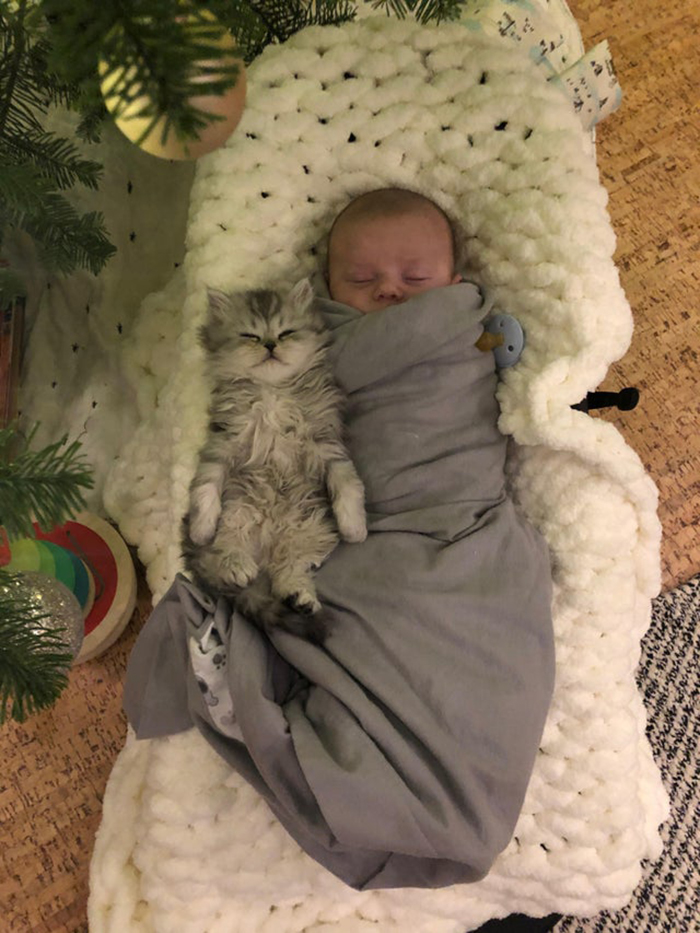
259 518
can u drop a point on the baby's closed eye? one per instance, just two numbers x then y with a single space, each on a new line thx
406 278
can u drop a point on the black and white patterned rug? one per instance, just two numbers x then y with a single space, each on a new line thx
668 898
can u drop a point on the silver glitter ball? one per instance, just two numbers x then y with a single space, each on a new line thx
52 598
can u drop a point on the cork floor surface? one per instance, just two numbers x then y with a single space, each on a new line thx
55 766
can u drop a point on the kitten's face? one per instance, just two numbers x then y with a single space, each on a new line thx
261 335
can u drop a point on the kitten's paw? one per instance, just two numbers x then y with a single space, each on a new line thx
202 528
352 525
204 513
348 500
237 572
303 602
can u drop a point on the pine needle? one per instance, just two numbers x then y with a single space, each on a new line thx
34 658
424 11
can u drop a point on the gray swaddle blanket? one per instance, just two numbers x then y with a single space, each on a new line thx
398 754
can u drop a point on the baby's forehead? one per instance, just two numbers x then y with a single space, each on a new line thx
363 234
362 223
351 232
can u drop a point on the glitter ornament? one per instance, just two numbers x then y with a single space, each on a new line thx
51 598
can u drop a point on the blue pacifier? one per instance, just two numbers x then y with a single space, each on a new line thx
511 347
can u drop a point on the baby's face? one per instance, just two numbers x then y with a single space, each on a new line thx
381 261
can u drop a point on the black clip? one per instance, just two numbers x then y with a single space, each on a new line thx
624 400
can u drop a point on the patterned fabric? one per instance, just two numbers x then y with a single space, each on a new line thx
590 81
668 899
209 661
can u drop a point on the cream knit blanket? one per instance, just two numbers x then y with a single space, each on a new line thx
184 844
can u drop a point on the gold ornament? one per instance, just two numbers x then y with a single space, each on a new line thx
228 105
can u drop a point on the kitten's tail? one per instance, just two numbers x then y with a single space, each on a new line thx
257 603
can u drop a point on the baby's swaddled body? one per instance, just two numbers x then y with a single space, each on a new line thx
438 670
397 753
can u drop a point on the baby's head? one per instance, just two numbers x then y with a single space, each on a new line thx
388 245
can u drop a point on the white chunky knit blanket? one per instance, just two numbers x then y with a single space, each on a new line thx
187 847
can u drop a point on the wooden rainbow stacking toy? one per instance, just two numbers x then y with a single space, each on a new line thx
89 557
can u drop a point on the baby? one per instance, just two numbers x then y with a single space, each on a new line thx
387 246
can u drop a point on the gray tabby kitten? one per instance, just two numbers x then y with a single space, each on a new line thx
274 460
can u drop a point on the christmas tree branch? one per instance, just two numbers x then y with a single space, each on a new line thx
258 23
424 10
161 51
34 659
45 485
35 165
35 656
12 62
54 157
65 238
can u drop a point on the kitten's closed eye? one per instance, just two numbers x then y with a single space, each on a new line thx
251 337
286 333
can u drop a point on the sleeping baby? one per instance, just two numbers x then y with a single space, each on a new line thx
387 246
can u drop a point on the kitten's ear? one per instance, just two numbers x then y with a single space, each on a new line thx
213 330
302 295
218 302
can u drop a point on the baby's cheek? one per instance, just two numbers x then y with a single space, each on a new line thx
354 297
421 287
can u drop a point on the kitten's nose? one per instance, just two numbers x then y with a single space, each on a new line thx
270 345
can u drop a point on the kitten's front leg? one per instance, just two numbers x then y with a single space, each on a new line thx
347 500
205 501
238 539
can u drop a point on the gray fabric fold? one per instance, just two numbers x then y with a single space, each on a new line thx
398 754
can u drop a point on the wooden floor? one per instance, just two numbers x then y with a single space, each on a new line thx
55 766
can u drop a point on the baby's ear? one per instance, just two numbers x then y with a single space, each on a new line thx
302 295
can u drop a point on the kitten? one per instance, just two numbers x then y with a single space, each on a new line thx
273 462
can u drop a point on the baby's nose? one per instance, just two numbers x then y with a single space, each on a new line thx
390 287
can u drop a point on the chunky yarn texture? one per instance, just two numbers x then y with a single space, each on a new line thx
184 844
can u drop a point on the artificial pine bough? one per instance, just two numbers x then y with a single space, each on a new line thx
37 167
40 485
34 660
47 486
